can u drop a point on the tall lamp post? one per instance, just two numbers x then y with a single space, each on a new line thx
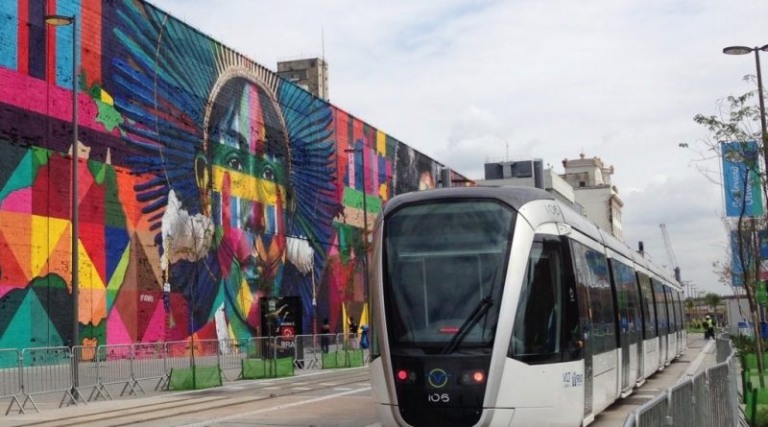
361 149
57 21
744 50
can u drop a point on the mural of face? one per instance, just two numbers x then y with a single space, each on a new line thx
238 175
242 177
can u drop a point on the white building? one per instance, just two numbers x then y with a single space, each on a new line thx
585 185
591 182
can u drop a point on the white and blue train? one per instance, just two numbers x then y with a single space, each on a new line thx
501 306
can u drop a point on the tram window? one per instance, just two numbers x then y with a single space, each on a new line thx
649 308
593 278
438 282
670 310
680 316
626 297
661 309
540 334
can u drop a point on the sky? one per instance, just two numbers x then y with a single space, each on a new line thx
470 82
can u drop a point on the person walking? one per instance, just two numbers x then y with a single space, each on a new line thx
709 327
325 338
352 332
364 337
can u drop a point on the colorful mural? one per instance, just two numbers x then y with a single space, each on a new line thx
206 184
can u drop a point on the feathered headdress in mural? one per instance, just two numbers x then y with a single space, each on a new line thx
167 84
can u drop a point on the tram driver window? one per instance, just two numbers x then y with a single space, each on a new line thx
537 328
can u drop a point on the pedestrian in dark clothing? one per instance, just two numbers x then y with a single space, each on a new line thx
709 325
352 332
325 339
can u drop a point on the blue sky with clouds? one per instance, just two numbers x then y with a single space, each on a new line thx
468 82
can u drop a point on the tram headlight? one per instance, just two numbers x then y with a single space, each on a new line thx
474 377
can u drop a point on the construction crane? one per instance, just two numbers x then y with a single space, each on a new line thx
670 252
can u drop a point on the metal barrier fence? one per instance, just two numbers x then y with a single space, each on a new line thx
10 377
87 373
707 399
47 370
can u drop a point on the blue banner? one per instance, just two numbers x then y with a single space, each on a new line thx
741 182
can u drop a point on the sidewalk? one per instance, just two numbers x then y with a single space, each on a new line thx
700 355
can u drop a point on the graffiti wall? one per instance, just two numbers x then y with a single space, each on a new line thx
205 183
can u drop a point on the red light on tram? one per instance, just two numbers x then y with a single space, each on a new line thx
449 330
402 375
472 377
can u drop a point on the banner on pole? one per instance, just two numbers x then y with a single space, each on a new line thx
741 181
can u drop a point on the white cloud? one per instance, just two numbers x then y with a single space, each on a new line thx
530 78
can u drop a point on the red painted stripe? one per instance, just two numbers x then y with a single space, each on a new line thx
38 96
22 62
90 48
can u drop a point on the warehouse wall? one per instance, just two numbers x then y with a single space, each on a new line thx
207 185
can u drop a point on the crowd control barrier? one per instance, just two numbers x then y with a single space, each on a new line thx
82 374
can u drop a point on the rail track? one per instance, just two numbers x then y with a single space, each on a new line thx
200 406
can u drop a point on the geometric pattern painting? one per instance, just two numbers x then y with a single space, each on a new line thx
206 184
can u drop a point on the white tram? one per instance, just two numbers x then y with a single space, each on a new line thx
501 306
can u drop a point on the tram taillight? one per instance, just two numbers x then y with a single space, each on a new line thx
405 376
472 377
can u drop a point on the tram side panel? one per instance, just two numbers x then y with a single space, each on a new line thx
673 344
650 331
598 324
629 323
662 321
543 377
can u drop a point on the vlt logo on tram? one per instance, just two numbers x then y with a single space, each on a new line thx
438 378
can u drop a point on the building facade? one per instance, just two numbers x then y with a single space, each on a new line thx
310 74
211 191
585 185
591 183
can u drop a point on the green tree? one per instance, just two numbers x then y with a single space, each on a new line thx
737 122
713 301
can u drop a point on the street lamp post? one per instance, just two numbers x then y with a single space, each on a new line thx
744 50
63 20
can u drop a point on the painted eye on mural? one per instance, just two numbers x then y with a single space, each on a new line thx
234 163
268 173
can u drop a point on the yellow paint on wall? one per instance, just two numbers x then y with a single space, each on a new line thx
246 186
89 275
381 143
383 191
245 298
47 234
106 97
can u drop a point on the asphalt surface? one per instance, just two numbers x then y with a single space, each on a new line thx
312 398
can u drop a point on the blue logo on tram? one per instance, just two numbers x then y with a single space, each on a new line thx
437 378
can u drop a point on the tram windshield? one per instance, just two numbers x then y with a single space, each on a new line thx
444 269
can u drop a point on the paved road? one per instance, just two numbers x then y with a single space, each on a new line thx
320 398
315 398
